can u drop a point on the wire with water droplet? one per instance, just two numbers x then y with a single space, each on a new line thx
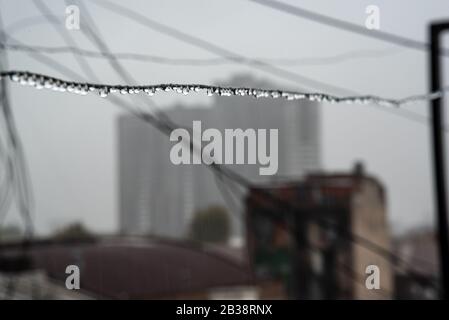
41 81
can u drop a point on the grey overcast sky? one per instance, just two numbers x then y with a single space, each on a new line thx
70 141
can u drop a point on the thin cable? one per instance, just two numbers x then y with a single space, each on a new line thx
17 162
407 114
40 81
216 49
7 191
58 66
46 12
92 32
227 196
344 25
205 62
7 169
197 62
232 56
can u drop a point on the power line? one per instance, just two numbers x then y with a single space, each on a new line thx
16 162
41 81
348 26
58 66
227 54
91 31
216 49
203 62
404 113
46 12
6 188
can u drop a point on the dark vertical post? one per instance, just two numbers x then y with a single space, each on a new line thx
437 118
301 260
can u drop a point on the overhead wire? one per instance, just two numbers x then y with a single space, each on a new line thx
43 81
233 56
348 26
202 62
404 113
19 176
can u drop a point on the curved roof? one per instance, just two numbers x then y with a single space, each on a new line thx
150 269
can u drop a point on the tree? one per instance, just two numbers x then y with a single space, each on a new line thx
211 224
73 231
10 233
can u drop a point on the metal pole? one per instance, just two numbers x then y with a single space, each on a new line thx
437 118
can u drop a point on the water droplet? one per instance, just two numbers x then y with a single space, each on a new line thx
240 92
62 87
81 89
31 81
48 84
224 92
177 89
260 93
55 85
23 79
103 92
275 94
149 91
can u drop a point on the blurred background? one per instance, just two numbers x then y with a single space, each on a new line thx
90 184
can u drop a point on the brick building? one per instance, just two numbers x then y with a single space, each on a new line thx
304 239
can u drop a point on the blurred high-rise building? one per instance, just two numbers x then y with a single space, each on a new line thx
160 198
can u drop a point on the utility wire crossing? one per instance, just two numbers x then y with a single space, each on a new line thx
204 62
40 81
